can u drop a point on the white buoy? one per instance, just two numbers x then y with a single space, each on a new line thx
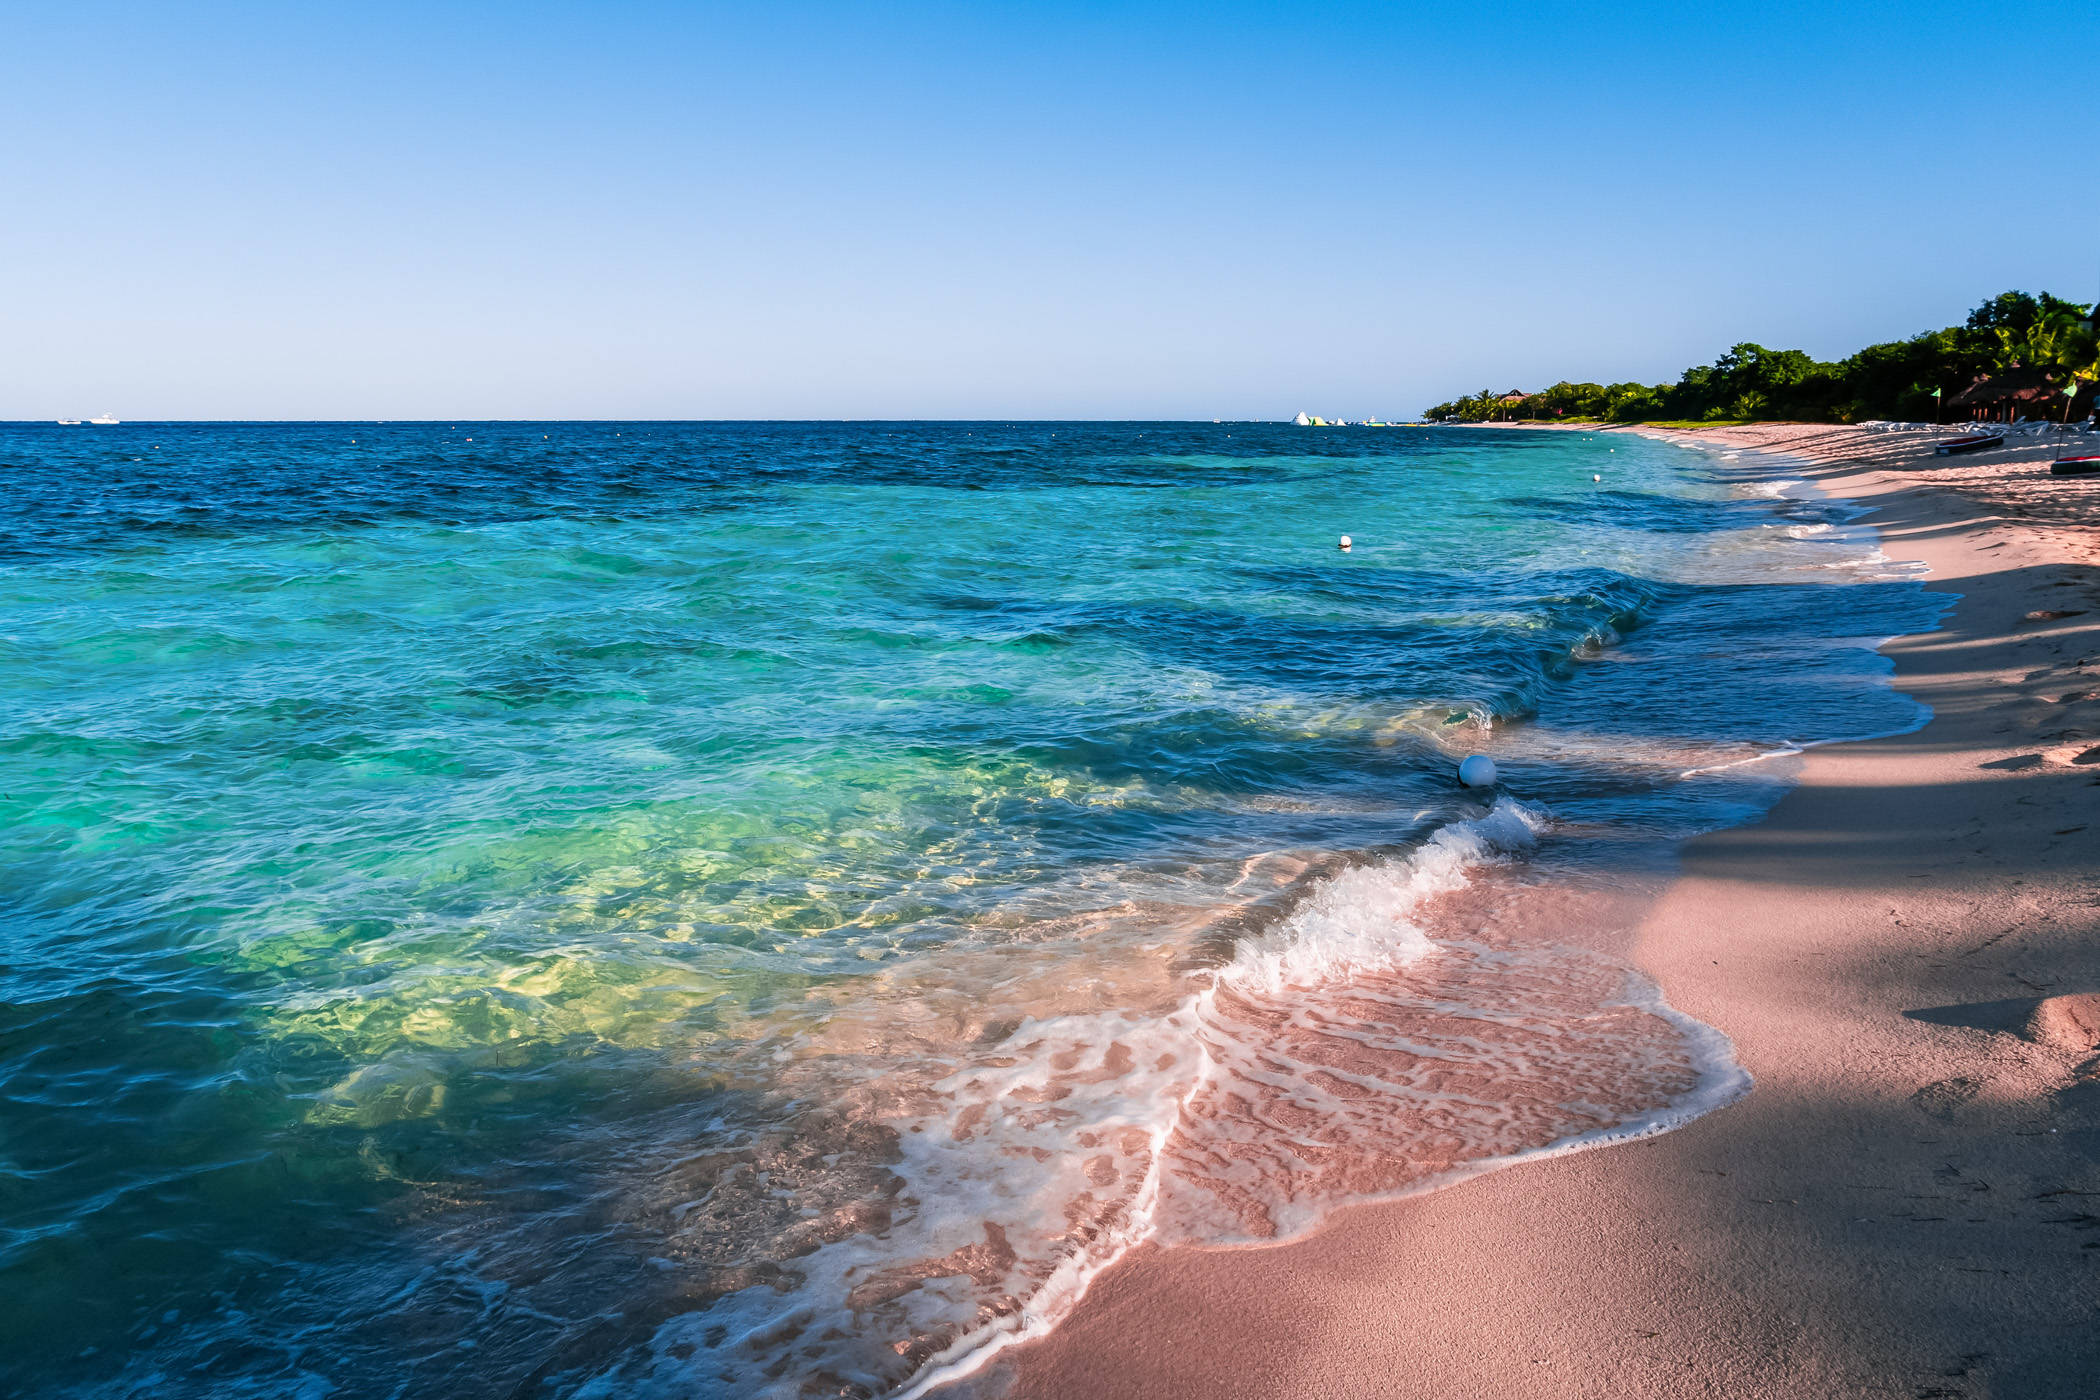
1345 542
1477 771
1596 478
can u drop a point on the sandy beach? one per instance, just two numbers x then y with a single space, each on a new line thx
1908 1204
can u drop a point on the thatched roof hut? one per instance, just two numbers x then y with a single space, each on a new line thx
2007 389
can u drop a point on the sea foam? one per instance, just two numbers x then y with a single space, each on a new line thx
1363 1047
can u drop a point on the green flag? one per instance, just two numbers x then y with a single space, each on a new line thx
1937 392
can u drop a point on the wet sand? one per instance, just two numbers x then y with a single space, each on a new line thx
1909 1202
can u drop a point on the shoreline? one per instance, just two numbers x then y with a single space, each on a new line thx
1901 1205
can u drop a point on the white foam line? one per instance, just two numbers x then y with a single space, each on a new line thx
1313 940
1059 1295
1792 746
1720 1082
1805 745
1067 1285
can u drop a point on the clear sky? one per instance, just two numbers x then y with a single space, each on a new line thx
1085 210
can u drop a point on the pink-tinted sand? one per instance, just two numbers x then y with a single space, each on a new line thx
1909 1202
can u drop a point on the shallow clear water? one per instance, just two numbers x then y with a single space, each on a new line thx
770 908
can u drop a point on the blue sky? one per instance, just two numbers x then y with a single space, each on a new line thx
814 210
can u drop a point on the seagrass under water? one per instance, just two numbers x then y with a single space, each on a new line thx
769 909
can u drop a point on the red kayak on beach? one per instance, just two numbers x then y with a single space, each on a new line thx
1975 442
2076 466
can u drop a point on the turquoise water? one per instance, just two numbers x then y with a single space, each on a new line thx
499 909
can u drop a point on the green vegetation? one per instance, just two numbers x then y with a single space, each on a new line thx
1892 381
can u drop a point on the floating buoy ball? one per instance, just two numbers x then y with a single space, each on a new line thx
1596 478
1345 542
1477 771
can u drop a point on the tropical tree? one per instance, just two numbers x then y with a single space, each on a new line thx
1897 379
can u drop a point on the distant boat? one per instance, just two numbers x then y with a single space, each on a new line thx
105 420
2076 466
1975 442
69 422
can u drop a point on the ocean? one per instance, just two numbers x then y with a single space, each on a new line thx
773 909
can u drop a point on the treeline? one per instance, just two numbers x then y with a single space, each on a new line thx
1891 381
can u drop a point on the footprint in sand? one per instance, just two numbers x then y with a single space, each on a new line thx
1943 1097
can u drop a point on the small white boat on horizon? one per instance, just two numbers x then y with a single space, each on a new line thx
106 420
69 422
